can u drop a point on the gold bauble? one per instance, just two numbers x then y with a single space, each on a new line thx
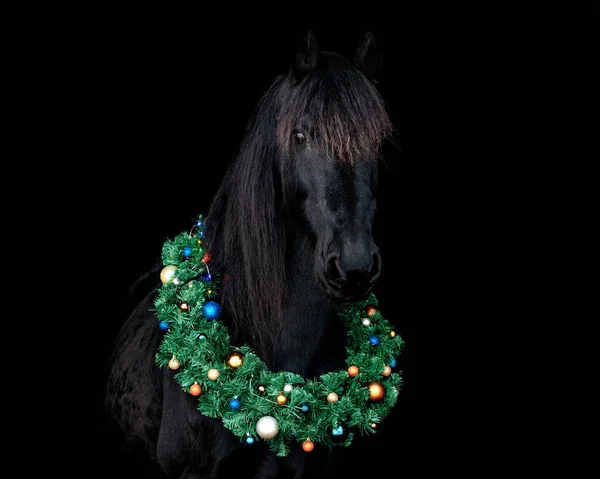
376 391
261 388
213 374
371 310
174 363
235 360
332 397
392 334
352 371
167 273
386 371
281 399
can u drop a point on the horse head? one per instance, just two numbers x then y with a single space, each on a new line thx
330 130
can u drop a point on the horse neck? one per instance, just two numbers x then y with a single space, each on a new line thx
311 338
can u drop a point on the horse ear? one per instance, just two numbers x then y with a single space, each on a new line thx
367 58
308 55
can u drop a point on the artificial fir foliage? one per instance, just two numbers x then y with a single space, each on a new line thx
233 384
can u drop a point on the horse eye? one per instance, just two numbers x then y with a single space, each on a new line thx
299 137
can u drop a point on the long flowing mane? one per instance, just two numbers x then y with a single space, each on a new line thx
246 234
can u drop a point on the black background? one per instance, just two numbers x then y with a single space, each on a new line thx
484 211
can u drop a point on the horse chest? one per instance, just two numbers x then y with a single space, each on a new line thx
311 340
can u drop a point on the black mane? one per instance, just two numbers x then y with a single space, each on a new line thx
345 109
244 235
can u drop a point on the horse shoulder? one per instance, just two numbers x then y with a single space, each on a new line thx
133 385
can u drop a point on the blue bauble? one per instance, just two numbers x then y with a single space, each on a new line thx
163 325
374 340
305 408
187 251
249 440
211 309
392 362
235 404
339 434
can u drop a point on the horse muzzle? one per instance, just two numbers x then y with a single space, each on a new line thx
351 278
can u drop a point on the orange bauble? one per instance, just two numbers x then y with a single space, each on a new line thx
371 310
376 391
386 371
195 389
352 371
308 445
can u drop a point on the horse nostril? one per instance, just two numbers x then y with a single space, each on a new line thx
332 270
376 265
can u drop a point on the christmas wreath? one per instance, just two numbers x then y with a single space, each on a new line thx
233 384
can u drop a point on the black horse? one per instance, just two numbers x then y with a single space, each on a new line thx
290 234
